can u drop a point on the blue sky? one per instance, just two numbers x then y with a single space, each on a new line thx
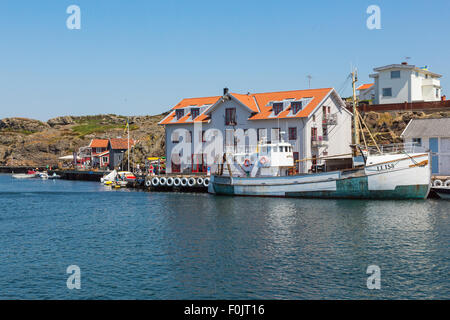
142 57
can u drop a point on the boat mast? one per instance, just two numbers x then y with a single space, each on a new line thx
128 127
355 111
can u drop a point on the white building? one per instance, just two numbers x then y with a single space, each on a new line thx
366 92
434 135
399 83
315 122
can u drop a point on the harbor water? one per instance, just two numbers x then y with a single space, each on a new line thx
141 245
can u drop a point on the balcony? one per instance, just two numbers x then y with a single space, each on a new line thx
330 119
319 141
431 82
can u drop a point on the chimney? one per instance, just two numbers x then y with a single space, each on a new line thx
405 63
225 91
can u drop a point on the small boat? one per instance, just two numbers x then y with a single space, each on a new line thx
30 174
23 176
443 192
54 176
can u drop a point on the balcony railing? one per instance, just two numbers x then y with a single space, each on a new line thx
319 141
330 119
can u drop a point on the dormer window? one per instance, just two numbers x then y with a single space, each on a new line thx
296 106
277 107
195 112
179 113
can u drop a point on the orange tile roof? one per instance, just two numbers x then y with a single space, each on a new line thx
263 100
194 102
365 86
121 144
256 102
99 143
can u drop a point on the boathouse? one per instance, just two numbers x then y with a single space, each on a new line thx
315 122
434 135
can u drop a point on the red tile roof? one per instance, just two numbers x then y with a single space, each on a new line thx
365 86
121 144
258 103
99 143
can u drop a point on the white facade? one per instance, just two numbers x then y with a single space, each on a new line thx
399 83
433 135
337 141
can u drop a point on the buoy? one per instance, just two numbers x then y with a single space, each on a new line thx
246 162
184 181
191 182
437 183
176 181
148 183
447 183
169 181
264 160
206 182
162 181
155 181
200 181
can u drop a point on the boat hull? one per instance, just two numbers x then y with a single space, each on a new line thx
400 179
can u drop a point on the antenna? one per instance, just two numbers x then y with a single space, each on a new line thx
309 80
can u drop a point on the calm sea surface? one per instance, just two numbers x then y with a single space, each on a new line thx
142 245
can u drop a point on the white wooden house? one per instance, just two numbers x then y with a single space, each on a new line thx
314 121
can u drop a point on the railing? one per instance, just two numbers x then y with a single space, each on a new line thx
408 147
319 141
330 119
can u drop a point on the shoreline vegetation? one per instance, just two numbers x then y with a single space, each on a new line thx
29 142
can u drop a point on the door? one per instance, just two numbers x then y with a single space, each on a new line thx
434 148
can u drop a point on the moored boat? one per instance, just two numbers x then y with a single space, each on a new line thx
391 175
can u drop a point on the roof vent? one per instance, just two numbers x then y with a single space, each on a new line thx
225 91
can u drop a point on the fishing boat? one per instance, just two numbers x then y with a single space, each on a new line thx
398 171
390 175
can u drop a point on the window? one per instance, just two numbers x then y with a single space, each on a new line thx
437 93
277 108
202 136
98 150
417 142
324 111
188 136
194 113
387 92
261 134
395 74
105 159
296 106
314 134
179 113
230 116
275 135
175 137
293 133
325 132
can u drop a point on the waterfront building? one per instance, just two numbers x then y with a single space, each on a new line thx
315 122
117 148
99 152
432 134
399 83
366 92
